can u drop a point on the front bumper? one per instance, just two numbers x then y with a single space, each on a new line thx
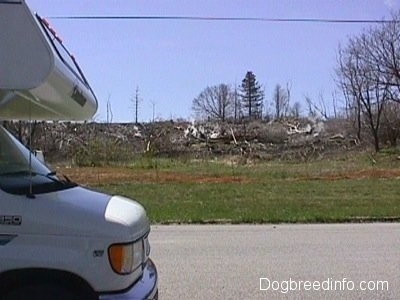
145 288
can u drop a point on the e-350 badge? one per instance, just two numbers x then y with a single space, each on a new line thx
10 220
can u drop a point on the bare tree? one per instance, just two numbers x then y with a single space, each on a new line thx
369 75
335 105
382 54
214 102
295 110
135 102
362 83
348 83
288 93
280 101
319 109
237 109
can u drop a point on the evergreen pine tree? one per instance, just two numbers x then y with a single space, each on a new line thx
252 96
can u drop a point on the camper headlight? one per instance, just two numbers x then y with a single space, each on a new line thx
125 258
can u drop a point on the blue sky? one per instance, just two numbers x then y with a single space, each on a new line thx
171 62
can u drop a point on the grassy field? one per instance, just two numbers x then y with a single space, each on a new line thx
349 189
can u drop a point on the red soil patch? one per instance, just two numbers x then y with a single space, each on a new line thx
110 175
363 174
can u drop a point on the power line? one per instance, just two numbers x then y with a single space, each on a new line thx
246 19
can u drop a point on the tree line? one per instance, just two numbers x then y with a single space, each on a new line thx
223 102
367 74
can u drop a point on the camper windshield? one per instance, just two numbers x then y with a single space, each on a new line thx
14 157
22 173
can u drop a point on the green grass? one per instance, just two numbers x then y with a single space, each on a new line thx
272 192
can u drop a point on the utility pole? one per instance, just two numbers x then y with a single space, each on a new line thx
136 104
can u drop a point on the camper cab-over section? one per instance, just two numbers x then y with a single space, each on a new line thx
39 78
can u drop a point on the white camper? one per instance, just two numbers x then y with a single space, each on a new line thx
58 240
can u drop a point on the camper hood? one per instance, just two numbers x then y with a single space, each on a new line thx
83 212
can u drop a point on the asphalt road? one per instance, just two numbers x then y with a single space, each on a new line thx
340 261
